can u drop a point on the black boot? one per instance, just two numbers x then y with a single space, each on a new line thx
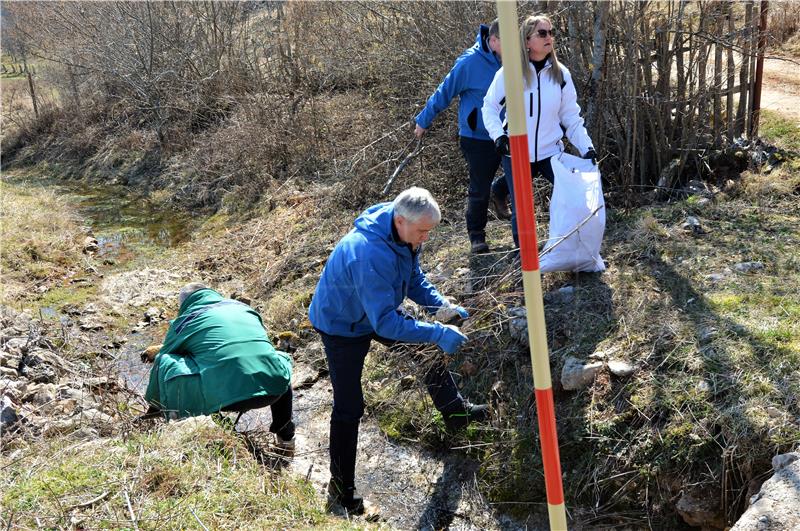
500 207
477 242
347 497
343 447
458 420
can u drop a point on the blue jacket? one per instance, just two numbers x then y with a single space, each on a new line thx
469 79
367 277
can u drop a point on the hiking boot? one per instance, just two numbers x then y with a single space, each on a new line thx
348 498
478 243
284 448
471 413
500 207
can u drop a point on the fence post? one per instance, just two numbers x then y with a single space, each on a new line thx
762 44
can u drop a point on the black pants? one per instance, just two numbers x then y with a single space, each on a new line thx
483 162
539 168
280 406
346 363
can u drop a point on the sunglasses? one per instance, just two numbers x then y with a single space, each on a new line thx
542 33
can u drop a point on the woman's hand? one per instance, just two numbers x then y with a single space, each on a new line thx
501 146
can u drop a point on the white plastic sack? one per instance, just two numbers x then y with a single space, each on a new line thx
577 195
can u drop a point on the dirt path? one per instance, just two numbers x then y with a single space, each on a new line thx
781 87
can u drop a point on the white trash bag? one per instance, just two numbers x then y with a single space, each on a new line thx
577 195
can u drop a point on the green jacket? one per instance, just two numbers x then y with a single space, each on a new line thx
216 353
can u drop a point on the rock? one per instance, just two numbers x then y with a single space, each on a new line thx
153 315
668 177
748 267
288 341
701 510
139 288
304 376
40 394
407 381
707 334
777 504
59 426
463 276
782 461
91 322
702 387
90 245
692 225
695 187
576 375
566 293
620 368
716 277
518 324
8 413
95 416
10 358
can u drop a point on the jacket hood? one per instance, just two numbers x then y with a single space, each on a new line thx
482 44
377 221
199 298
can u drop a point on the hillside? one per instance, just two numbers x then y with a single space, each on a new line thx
690 341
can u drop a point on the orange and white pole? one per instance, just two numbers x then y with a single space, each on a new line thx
531 277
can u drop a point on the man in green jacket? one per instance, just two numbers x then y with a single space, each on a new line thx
217 357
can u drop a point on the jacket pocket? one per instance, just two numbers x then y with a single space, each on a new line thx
354 325
472 119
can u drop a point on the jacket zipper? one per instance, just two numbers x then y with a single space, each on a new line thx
538 116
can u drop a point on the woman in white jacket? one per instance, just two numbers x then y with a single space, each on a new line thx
551 107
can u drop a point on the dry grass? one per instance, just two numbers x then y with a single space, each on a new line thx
40 239
190 475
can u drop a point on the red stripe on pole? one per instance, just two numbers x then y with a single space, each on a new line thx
523 202
549 441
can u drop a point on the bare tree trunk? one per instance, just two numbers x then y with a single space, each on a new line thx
731 76
598 59
717 75
33 95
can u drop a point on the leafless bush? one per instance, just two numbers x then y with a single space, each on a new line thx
241 95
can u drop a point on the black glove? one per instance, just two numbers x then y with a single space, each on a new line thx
501 146
591 155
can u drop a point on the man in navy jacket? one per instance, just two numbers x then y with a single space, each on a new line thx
367 277
469 79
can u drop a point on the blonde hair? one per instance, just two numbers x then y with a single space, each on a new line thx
526 30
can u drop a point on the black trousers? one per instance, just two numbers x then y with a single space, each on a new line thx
539 168
483 162
280 406
346 357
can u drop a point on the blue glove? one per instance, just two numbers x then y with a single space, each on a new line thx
451 339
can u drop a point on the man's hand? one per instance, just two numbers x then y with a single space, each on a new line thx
449 313
451 339
419 131
149 354
501 146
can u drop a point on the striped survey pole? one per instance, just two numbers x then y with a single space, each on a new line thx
531 278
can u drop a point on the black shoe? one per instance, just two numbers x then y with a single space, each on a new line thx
348 498
478 243
471 413
499 207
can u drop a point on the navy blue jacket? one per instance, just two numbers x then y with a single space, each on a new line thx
469 79
367 277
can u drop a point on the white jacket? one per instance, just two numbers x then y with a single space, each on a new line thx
546 111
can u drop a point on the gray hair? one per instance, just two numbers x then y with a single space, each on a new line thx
416 203
188 289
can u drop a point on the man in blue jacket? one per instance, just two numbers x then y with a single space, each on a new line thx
469 79
367 277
